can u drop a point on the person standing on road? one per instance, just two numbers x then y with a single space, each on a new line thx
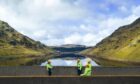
49 68
79 67
88 69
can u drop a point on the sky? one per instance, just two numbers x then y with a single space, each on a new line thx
57 22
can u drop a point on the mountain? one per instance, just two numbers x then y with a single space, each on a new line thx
72 46
121 48
69 48
14 45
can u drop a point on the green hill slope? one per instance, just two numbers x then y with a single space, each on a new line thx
123 46
14 45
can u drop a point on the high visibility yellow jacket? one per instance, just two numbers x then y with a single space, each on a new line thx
87 72
90 66
79 65
49 66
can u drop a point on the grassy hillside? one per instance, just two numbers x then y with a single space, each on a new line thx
122 46
14 45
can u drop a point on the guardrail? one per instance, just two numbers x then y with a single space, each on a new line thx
67 75
68 71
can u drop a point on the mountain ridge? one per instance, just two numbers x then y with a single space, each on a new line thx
69 48
122 45
15 45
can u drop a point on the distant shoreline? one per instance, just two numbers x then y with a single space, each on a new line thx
112 62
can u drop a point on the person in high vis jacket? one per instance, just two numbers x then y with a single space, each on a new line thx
49 68
79 67
90 65
88 69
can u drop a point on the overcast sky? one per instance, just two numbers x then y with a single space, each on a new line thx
56 22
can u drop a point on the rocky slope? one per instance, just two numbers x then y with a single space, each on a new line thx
121 48
14 45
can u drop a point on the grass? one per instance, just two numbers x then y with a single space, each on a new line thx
122 45
20 55
17 51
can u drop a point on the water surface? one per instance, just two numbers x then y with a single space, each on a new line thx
69 60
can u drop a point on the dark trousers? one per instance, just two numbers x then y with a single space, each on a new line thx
49 72
79 72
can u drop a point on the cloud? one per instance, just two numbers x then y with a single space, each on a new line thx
56 22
